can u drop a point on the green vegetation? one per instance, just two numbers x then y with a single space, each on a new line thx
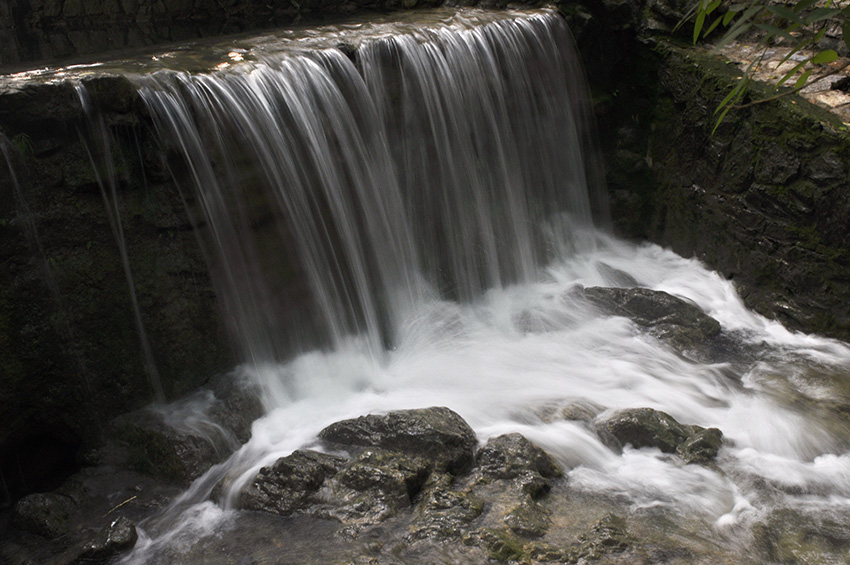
802 26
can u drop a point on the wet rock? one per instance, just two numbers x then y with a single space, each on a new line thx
581 411
793 536
144 441
606 537
670 318
509 456
645 427
181 441
701 447
436 434
44 514
290 483
375 486
528 520
119 536
444 512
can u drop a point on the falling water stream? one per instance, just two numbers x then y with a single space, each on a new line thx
433 191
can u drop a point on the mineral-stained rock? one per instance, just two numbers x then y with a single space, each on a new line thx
645 427
45 514
670 318
507 456
120 535
436 434
290 483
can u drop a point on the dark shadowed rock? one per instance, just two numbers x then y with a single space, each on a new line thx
290 483
645 427
508 456
119 536
670 318
45 514
436 434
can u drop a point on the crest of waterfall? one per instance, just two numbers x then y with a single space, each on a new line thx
429 163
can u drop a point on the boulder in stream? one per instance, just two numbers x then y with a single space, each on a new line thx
645 427
290 483
677 321
436 434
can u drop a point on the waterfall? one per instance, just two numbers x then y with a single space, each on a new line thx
437 162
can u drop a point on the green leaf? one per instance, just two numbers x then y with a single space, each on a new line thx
712 6
784 12
819 35
720 120
791 73
820 14
825 56
713 25
733 96
801 82
698 25
727 17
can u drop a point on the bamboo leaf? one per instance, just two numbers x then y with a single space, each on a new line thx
720 120
791 73
713 25
802 80
698 25
825 56
712 6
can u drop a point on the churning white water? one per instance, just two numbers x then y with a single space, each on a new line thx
434 194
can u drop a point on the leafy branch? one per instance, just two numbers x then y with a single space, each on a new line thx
801 25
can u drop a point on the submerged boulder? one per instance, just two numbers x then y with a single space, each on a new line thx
290 483
645 427
436 434
668 317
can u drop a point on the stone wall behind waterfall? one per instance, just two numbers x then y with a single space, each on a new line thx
70 355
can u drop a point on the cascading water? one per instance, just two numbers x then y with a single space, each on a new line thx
432 195
429 166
